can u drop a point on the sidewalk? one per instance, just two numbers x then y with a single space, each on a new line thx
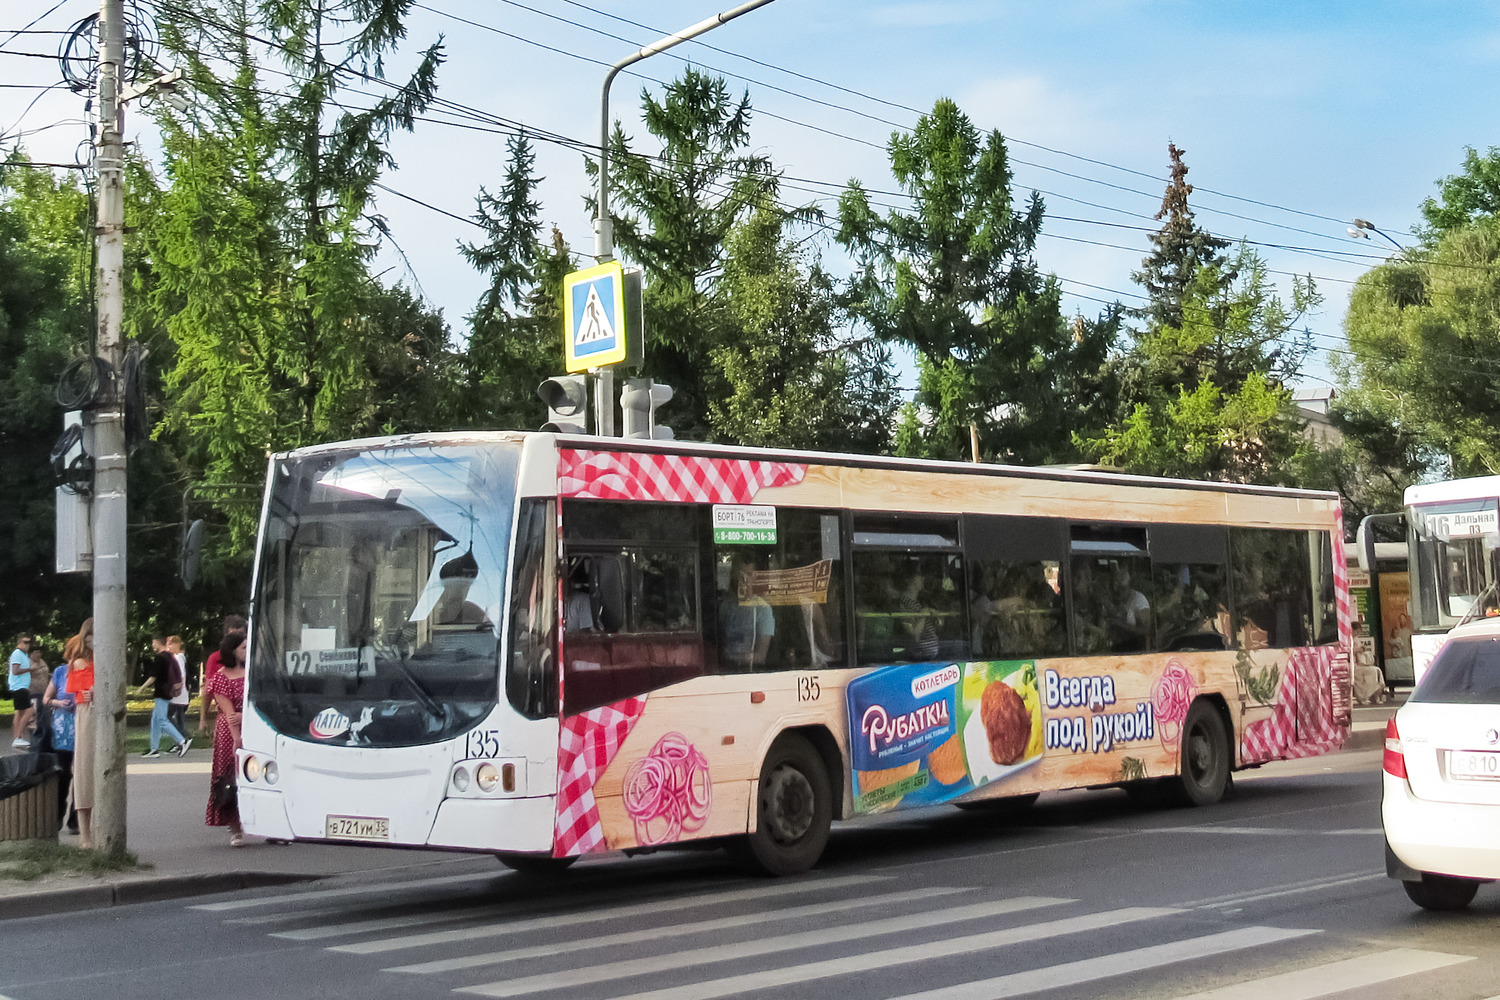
166 801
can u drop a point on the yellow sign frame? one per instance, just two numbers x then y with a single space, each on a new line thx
607 280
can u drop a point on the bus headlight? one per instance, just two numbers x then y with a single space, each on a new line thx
273 773
487 776
253 769
460 779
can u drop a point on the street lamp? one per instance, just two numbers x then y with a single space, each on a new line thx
604 237
1361 231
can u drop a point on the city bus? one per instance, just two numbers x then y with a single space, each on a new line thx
543 646
1453 532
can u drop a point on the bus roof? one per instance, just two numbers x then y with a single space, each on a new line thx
1476 488
580 441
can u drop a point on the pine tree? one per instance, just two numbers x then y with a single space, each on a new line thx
1182 248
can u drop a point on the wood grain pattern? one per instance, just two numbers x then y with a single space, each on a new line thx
899 490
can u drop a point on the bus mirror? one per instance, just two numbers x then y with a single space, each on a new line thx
1364 538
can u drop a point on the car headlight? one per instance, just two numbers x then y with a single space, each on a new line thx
487 776
460 779
253 769
273 773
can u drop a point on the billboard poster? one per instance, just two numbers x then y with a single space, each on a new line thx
926 733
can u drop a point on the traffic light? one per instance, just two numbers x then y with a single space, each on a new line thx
567 399
638 402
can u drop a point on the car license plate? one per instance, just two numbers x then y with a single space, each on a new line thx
357 828
1474 765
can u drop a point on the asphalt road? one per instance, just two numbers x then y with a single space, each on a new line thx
1278 892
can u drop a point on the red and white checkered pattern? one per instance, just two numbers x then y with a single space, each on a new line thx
614 475
1303 721
586 746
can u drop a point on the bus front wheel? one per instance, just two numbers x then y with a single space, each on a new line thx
535 864
1206 757
794 810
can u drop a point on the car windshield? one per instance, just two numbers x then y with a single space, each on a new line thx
1466 671
380 592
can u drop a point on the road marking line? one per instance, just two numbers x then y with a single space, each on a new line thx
1310 883
799 973
589 916
384 888
676 930
1336 977
1257 897
1119 964
1367 831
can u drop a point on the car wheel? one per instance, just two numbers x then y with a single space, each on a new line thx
535 864
1441 892
1007 805
1204 772
794 810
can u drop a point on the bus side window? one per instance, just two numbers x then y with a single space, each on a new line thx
1110 572
1015 588
1190 584
531 678
780 604
1273 591
910 595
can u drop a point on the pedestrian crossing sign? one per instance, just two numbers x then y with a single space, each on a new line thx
596 317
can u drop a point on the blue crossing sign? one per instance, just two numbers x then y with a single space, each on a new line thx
596 319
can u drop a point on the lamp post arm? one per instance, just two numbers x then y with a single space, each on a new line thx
604 240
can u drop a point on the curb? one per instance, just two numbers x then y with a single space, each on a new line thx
1365 739
44 902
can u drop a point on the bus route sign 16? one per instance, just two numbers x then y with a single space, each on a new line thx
741 524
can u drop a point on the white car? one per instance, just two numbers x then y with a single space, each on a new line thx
1441 807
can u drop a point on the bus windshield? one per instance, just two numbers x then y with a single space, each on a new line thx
380 592
1454 545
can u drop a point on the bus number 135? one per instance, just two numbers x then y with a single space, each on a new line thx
807 688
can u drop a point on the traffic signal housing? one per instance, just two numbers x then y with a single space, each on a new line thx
638 402
567 399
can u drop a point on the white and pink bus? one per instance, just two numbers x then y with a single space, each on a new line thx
542 646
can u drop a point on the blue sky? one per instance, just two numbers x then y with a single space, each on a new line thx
1320 112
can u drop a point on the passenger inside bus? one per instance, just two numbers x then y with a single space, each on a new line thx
454 607
746 624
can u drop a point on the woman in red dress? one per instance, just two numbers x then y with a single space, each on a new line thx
226 688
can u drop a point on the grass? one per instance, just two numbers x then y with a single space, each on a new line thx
29 860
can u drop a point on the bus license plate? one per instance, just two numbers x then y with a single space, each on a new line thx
358 828
1475 765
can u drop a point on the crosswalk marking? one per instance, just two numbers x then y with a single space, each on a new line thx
834 967
677 930
383 888
1336 977
592 916
1118 964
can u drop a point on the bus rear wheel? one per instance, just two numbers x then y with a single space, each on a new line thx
535 864
794 810
1206 755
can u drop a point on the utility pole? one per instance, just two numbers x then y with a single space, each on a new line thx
109 513
604 235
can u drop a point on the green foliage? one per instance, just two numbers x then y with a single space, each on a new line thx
516 328
1181 248
1464 198
955 280
46 318
1424 329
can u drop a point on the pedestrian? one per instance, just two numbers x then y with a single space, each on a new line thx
178 703
163 665
80 684
19 678
226 686
41 716
232 623
62 704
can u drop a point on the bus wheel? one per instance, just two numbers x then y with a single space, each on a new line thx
1205 757
1441 892
794 810
535 864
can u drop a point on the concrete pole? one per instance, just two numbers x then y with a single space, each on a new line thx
109 445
